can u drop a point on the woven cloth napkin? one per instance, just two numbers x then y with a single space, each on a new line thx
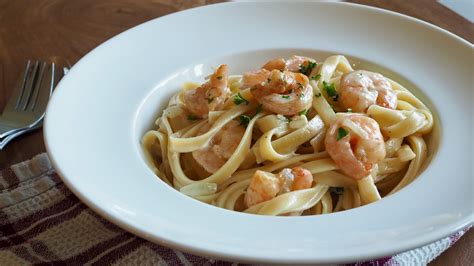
42 222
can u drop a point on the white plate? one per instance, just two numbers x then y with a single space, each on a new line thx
109 99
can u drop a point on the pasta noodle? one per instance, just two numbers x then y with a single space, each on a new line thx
296 137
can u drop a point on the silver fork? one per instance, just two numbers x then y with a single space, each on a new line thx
27 105
7 139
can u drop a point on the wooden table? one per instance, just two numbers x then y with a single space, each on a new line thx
71 28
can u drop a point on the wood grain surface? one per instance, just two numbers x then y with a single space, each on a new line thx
429 11
41 29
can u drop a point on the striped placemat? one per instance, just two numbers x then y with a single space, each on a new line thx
42 222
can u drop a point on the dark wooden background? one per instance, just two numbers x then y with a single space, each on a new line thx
40 29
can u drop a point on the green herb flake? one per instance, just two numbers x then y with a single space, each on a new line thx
244 120
209 100
336 190
315 77
304 112
341 133
192 118
306 69
301 95
349 110
238 99
331 90
317 95
285 96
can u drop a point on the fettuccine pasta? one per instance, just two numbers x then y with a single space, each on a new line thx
295 137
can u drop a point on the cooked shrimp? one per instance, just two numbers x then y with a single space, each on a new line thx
278 64
253 78
356 144
265 186
303 178
361 89
294 64
209 96
285 93
221 147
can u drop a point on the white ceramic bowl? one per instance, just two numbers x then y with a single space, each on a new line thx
110 98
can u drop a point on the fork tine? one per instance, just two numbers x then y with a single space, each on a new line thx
32 79
17 92
45 88
23 84
59 73
37 87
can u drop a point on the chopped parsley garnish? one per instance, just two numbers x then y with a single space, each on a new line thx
315 77
303 112
301 95
341 133
244 120
238 99
349 110
317 95
285 96
306 70
337 190
219 77
192 117
331 90
299 85
209 100
288 119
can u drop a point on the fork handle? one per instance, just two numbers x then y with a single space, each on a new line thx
7 139
6 130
